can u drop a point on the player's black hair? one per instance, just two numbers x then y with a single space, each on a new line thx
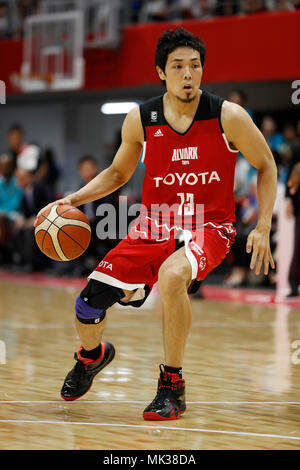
171 40
87 158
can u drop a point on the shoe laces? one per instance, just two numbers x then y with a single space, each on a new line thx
165 386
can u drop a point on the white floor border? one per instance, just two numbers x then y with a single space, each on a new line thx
78 402
138 426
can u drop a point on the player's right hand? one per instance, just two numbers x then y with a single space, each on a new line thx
65 200
294 179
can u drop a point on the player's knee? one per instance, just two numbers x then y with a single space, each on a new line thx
171 278
94 300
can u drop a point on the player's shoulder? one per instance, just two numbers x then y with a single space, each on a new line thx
233 113
132 129
133 116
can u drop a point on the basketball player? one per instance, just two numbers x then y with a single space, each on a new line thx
190 139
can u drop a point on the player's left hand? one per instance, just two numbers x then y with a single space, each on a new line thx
258 242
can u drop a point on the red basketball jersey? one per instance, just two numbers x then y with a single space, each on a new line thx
193 172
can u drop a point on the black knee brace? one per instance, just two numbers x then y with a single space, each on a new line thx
94 300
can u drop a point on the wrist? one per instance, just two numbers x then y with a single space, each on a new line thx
73 199
263 226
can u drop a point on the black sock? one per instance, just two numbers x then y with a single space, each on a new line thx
174 370
92 354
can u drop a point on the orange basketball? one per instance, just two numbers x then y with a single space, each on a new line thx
63 232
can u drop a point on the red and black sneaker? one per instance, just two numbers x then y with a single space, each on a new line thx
169 402
80 379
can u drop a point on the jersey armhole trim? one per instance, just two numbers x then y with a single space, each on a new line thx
143 152
142 121
227 144
223 133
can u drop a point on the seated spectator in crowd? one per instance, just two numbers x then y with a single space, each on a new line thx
135 8
245 207
10 207
293 210
4 20
286 150
88 168
269 130
239 97
48 173
253 6
156 10
283 5
246 217
227 7
15 137
189 9
34 198
25 8
298 128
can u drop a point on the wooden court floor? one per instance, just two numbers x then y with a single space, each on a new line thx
242 373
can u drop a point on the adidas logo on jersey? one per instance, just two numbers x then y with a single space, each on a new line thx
187 153
158 133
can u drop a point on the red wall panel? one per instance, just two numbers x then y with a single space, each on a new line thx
264 46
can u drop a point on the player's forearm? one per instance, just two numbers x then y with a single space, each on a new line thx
103 184
266 194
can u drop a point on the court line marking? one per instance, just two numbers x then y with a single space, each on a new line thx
139 426
237 324
63 402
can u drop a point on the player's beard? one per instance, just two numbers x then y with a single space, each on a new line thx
187 100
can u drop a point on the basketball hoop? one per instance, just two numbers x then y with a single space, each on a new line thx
53 53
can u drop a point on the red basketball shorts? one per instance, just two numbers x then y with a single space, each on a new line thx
135 262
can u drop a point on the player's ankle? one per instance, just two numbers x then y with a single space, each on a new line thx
92 354
173 370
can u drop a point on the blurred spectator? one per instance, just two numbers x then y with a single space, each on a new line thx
186 9
155 10
298 128
227 7
253 6
274 139
283 5
293 210
135 8
246 219
245 206
48 173
24 8
30 157
238 96
10 206
4 21
15 137
286 150
88 168
269 130
34 198
25 155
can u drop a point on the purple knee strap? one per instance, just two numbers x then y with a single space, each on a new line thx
87 314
